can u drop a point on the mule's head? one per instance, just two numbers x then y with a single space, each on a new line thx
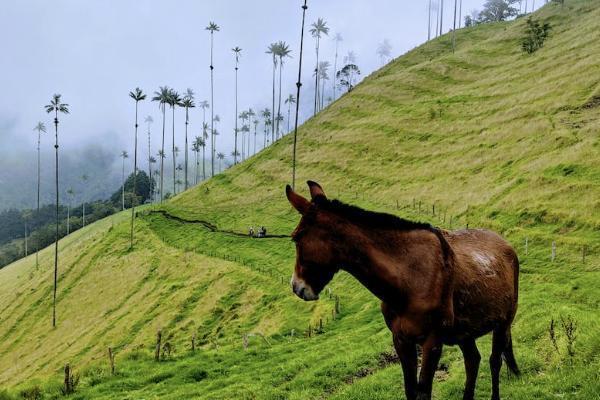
316 253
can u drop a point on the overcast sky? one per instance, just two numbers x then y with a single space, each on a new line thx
94 52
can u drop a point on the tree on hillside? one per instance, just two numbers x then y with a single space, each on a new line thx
243 116
535 35
289 101
251 115
256 122
149 120
323 76
124 155
143 190
346 76
337 38
237 52
317 30
283 51
384 51
212 28
137 95
266 114
498 10
188 102
272 50
214 133
221 156
202 143
40 127
56 106
162 97
175 100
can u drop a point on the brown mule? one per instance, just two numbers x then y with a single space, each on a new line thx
436 287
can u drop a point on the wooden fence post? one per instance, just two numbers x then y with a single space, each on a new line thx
433 209
553 251
309 330
67 384
320 325
158 340
111 359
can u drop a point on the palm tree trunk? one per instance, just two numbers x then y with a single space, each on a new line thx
149 161
288 118
298 86
235 132
273 109
460 15
212 107
317 79
323 94
204 162
134 196
57 221
335 67
454 27
279 105
173 149
123 186
442 17
162 158
37 249
185 175
429 21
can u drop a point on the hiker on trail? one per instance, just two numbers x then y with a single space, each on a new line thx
251 231
262 232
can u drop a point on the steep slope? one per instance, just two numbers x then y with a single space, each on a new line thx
487 136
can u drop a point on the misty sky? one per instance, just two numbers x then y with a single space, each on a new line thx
94 52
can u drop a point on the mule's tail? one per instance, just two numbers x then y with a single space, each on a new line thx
509 357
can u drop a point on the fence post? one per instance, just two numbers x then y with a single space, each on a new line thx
320 325
433 209
111 359
309 330
553 251
193 342
157 351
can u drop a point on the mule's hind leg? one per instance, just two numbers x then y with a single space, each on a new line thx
499 340
472 359
407 352
432 351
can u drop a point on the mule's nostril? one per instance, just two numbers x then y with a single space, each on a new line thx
301 293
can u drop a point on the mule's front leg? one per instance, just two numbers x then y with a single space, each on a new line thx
432 351
407 353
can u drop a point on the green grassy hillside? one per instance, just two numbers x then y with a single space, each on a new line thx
487 136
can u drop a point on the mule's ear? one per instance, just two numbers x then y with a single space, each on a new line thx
298 202
315 189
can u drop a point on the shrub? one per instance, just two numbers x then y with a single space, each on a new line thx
32 393
535 35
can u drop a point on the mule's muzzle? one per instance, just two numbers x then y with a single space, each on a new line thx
302 290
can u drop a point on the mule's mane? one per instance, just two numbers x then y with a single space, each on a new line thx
369 219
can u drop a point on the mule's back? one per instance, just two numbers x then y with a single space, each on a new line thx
486 271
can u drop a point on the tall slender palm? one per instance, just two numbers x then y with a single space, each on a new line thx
202 143
178 169
124 156
454 27
251 115
428 21
273 50
195 150
162 97
156 178
337 38
318 29
243 116
221 156
149 120
40 127
188 102
151 161
266 114
214 132
237 52
289 101
298 86
84 179
56 106
441 17
137 95
256 122
460 14
70 194
212 28
204 105
323 76
246 131
283 51
174 101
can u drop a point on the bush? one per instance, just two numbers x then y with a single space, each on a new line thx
32 393
535 35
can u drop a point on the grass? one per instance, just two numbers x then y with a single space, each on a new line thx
487 136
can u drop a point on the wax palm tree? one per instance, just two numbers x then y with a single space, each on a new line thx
441 16
256 122
337 38
298 86
237 52
246 131
212 28
84 179
149 120
266 114
175 100
384 51
273 50
251 115
243 116
214 133
323 76
283 51
204 105
202 143
162 155
70 194
162 97
179 168
195 150
56 106
124 156
151 161
156 178
137 95
278 120
289 101
221 156
317 30
188 102
40 127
